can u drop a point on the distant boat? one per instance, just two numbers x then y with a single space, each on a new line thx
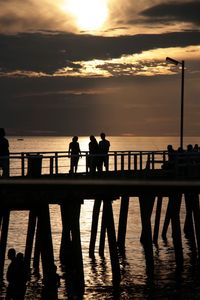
20 139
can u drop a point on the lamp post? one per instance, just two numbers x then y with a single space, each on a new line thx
182 63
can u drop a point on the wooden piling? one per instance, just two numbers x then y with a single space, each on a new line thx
112 242
175 204
94 227
122 226
146 207
188 225
76 246
102 234
71 249
196 216
157 220
47 255
189 229
30 237
65 247
1 216
37 250
4 237
166 222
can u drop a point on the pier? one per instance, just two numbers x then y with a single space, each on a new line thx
38 180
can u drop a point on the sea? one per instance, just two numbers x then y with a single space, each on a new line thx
98 276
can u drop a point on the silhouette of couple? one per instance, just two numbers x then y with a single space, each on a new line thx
98 154
16 276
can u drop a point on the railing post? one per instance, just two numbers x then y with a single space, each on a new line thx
164 156
135 162
122 162
51 166
148 162
129 160
87 162
56 162
153 160
23 164
115 161
140 160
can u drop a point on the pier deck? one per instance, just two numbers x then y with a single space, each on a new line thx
137 177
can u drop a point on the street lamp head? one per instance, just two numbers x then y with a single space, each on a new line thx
173 61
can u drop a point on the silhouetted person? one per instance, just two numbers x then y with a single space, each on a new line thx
189 148
196 151
10 275
4 153
196 148
93 151
171 153
104 146
75 152
21 276
171 158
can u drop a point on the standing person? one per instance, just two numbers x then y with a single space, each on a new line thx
104 146
93 157
10 275
20 277
4 153
75 152
16 276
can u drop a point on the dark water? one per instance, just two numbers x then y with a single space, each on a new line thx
166 284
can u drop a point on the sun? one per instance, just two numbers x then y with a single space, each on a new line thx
89 14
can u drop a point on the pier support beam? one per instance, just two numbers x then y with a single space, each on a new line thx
47 255
188 225
196 216
146 207
36 258
166 222
71 250
102 235
65 247
94 227
189 229
175 204
30 237
123 218
157 220
4 237
110 226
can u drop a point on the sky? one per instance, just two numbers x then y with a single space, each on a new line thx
80 67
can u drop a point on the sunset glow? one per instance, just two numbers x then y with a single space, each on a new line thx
84 63
89 14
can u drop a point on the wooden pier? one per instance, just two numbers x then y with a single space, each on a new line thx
33 187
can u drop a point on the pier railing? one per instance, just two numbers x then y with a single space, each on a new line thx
55 163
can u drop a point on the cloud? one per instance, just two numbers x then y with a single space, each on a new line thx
48 53
125 17
32 15
172 12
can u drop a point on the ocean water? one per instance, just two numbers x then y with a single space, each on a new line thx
98 276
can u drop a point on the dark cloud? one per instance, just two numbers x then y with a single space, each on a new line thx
49 52
187 12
